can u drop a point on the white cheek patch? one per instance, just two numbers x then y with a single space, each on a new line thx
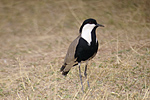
86 32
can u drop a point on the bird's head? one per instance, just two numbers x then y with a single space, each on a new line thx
89 24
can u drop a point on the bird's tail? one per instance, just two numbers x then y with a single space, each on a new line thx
62 69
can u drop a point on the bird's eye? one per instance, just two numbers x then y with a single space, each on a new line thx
90 22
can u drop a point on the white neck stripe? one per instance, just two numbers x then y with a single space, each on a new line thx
86 32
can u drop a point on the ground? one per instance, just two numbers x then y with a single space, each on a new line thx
35 35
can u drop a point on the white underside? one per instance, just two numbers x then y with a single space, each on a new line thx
86 33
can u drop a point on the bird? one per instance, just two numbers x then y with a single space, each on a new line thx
82 49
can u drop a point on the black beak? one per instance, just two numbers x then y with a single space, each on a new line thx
99 25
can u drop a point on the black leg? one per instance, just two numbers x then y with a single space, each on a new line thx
85 74
80 77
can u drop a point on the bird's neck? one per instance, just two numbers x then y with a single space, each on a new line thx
89 35
93 36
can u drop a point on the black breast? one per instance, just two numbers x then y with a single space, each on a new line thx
84 51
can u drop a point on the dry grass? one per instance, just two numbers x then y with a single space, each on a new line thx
35 35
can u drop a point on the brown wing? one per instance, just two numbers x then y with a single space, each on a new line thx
71 51
70 58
